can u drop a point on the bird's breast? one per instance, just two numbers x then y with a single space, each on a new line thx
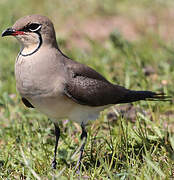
24 78
36 79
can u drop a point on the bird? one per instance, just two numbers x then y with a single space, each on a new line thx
59 86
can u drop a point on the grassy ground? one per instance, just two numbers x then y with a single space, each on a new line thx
130 43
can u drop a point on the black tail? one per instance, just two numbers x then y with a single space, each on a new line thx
133 96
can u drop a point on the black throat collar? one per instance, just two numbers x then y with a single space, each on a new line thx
37 48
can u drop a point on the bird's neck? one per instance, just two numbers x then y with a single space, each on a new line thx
32 47
29 50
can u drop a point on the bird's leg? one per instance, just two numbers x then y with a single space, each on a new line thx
57 133
83 138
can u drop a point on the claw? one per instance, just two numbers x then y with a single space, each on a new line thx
54 163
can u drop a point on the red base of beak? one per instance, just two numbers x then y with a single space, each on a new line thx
17 33
12 32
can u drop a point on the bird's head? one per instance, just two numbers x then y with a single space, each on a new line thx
33 31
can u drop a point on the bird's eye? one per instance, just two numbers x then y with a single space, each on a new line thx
34 27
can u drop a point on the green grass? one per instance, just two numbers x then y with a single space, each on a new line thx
138 145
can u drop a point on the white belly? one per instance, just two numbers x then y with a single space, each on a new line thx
62 107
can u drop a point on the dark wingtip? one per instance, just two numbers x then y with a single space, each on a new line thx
160 97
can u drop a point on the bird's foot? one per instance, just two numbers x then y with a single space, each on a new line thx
78 171
78 167
54 163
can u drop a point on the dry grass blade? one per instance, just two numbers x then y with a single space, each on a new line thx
27 164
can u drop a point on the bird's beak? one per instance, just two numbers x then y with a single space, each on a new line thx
8 32
11 32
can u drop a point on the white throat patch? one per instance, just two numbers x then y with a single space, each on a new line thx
29 47
29 50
